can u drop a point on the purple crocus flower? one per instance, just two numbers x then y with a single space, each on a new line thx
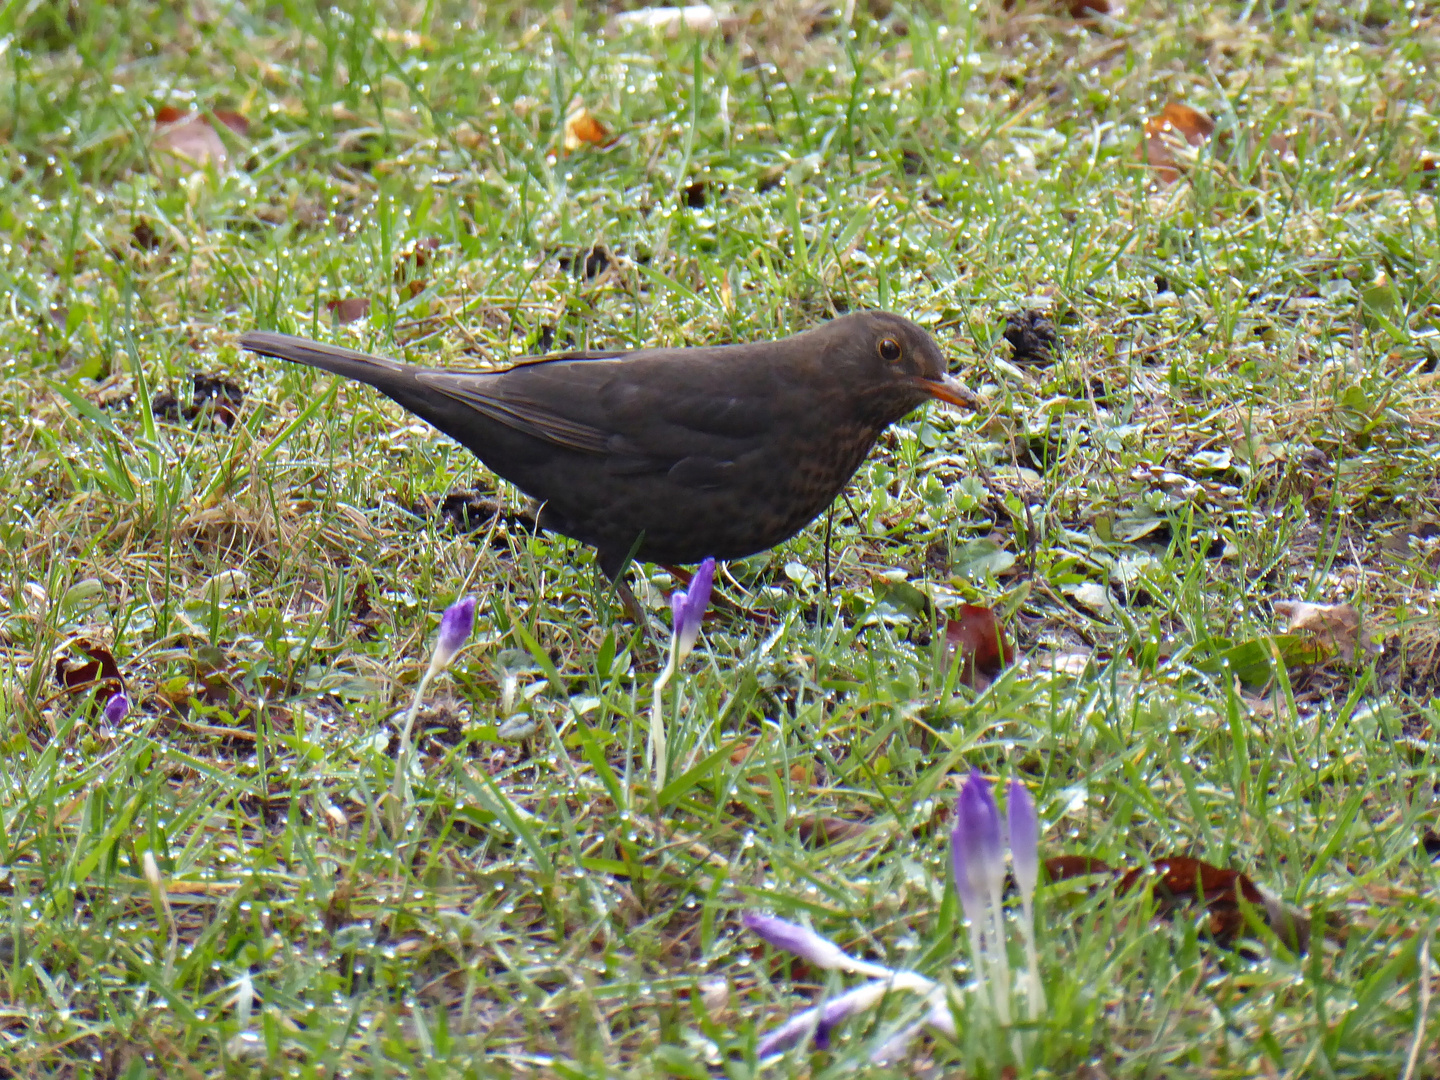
1024 838
977 854
689 607
455 628
809 946
1025 857
117 707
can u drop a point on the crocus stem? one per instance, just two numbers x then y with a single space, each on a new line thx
656 752
400 787
1034 989
999 960
978 961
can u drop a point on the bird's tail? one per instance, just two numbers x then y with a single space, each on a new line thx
385 374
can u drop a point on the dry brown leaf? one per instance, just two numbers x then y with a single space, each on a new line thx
1178 881
94 665
232 120
1170 135
819 830
1334 625
984 648
582 129
351 309
191 139
799 771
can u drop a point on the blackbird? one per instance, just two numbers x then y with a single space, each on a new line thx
672 454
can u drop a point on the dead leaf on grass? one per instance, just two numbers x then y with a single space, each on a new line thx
191 138
37 600
827 830
94 665
351 309
1179 881
1336 626
985 650
800 772
582 129
1075 664
1171 137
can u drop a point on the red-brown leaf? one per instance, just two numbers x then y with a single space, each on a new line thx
351 309
234 121
828 830
94 664
190 138
582 129
1177 125
985 650
1181 879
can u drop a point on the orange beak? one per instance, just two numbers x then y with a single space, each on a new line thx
952 390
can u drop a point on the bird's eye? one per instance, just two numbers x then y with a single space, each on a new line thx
889 350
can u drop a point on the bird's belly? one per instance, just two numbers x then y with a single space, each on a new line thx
764 504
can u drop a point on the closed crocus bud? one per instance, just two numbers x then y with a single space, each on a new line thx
689 607
1024 838
809 946
117 707
977 854
455 629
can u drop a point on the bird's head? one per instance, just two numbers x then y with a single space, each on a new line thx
897 364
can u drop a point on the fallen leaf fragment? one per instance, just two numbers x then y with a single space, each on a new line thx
351 309
1336 626
582 129
192 139
37 600
827 830
420 255
1172 136
1075 664
232 120
1180 881
799 771
984 648
94 664
1092 596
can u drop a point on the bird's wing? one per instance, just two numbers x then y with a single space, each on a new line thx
652 411
498 397
531 417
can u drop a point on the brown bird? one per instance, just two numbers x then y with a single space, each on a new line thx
672 454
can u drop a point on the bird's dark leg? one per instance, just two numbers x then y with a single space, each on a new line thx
631 603
829 529
614 566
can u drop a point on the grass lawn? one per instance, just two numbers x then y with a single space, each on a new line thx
1240 410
